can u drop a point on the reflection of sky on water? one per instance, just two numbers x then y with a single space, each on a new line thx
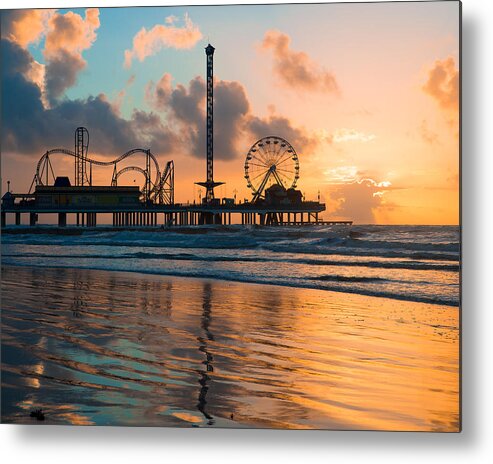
94 347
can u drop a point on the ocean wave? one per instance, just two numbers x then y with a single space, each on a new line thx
151 240
341 278
212 243
358 243
346 251
317 235
300 283
409 265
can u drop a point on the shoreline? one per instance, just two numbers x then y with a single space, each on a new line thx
427 301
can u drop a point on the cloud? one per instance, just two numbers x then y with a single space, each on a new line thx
67 36
351 135
360 200
61 73
303 141
345 135
71 33
171 19
15 60
233 112
235 126
356 196
342 175
25 26
149 42
297 70
28 128
186 110
37 74
153 132
158 95
443 86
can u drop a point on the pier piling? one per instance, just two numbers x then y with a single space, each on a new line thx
62 219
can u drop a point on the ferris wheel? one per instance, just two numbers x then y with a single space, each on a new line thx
271 160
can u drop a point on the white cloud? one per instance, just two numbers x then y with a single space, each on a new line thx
342 175
351 135
149 42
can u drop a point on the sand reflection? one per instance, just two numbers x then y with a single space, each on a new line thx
93 347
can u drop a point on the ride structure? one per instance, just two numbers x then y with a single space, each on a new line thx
209 184
158 186
81 149
271 160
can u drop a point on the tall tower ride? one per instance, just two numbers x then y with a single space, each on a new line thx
209 184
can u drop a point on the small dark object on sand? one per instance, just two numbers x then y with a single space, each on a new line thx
231 416
38 414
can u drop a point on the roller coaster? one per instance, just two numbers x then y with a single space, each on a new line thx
159 190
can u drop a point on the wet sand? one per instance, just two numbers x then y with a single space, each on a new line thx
113 348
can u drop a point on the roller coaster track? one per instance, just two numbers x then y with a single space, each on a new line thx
64 151
127 169
156 192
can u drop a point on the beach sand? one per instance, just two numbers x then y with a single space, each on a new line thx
113 348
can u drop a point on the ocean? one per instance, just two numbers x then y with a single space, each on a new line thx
414 263
311 327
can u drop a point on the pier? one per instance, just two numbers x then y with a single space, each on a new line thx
154 215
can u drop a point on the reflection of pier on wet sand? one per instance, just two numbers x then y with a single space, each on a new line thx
157 350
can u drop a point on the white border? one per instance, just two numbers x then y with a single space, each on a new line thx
73 445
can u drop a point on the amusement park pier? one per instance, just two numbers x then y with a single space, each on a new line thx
271 172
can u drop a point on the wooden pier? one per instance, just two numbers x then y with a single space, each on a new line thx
142 215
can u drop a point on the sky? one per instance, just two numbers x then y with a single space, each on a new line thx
367 94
